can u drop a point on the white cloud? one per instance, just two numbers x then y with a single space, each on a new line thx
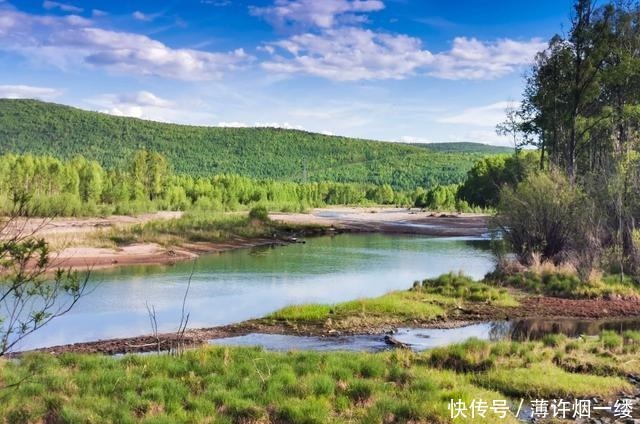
147 105
284 125
143 98
47 4
482 116
97 13
139 16
233 124
28 92
351 54
413 139
72 41
470 58
216 3
319 13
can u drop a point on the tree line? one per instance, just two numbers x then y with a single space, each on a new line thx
83 187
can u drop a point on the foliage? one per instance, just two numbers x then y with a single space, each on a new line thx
581 108
83 187
542 215
569 284
29 126
489 175
32 292
259 212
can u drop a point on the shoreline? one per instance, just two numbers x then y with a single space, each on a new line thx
330 221
532 307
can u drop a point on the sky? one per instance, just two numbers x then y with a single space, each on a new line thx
395 70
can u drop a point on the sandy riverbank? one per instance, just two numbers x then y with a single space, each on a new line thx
75 243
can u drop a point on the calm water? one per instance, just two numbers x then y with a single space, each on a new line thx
420 339
233 286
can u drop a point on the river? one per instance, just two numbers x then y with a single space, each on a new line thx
237 285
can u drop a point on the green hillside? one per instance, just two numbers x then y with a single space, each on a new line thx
45 128
464 147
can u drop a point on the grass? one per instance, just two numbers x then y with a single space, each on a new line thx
547 381
233 385
201 226
250 385
428 300
567 283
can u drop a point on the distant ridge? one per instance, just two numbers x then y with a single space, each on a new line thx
32 126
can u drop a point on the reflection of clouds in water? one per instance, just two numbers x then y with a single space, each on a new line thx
237 285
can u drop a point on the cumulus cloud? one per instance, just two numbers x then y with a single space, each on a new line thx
72 40
28 92
47 4
147 105
470 58
143 98
322 14
353 53
349 54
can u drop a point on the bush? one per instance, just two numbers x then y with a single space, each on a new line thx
260 213
541 216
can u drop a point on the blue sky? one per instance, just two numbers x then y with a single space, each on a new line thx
397 70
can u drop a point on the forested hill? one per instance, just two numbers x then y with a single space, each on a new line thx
30 126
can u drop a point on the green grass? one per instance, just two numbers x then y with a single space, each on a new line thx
547 381
232 385
569 284
250 385
428 300
201 226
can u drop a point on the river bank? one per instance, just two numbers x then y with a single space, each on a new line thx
380 316
80 243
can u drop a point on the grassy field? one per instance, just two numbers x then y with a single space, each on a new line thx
249 385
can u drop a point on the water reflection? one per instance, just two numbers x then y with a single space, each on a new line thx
420 339
234 286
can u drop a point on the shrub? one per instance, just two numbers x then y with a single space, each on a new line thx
260 213
541 216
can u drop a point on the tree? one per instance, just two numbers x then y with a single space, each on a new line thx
488 176
31 292
512 127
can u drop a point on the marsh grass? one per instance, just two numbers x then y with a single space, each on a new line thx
426 301
233 385
565 282
204 226
250 385
548 381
